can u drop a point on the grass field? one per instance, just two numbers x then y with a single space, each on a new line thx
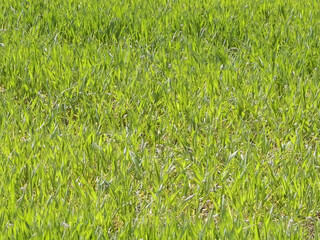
160 119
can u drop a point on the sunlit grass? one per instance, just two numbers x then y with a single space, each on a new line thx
159 119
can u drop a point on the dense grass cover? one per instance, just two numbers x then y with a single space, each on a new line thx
172 119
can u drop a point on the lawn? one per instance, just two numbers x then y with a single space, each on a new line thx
159 119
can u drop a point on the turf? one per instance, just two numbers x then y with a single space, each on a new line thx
159 119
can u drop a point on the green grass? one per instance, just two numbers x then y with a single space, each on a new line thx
172 119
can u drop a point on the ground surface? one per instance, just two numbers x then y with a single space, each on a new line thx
159 119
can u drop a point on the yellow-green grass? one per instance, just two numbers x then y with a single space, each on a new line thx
172 119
